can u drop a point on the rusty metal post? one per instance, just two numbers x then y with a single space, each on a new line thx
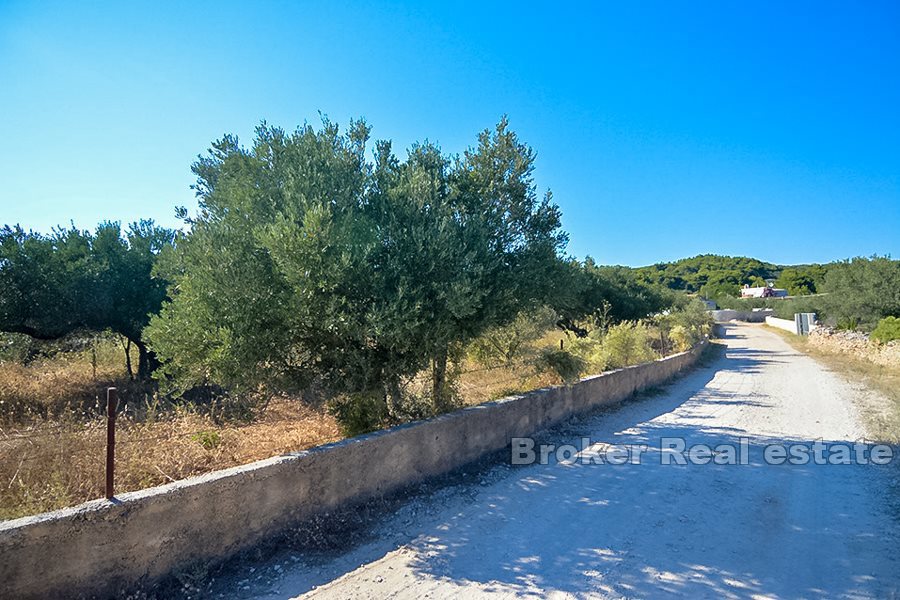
112 402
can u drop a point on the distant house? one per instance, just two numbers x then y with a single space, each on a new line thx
763 292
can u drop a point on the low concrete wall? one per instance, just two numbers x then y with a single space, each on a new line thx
751 316
102 547
785 324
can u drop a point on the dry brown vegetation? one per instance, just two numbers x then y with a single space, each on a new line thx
59 464
52 422
53 436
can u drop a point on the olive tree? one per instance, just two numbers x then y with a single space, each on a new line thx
53 285
308 262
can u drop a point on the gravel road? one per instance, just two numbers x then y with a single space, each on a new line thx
645 530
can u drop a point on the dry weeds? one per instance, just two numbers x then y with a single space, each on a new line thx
60 464
53 428
53 432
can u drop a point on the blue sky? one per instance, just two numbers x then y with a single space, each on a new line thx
767 129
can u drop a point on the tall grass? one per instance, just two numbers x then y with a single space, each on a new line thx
53 431
52 427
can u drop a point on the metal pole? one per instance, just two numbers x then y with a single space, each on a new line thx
112 402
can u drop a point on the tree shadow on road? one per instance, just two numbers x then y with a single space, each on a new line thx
650 529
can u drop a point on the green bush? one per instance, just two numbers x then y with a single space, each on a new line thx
863 291
888 329
513 342
627 344
566 365
18 348
359 413
687 326
208 439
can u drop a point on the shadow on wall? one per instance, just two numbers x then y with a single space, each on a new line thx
581 529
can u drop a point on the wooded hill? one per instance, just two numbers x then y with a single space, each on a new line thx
713 275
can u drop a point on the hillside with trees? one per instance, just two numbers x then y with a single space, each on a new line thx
715 276
709 274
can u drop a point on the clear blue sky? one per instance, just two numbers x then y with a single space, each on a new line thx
664 129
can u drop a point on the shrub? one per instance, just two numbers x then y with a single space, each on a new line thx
888 329
208 439
685 327
359 413
627 344
15 347
681 338
566 365
863 291
512 342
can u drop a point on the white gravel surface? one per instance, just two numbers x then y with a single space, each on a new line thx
644 530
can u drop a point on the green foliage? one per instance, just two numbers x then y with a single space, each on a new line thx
603 295
507 344
686 326
721 277
720 273
633 342
888 329
51 286
680 337
567 366
721 290
359 413
623 344
627 344
208 439
853 294
17 347
306 262
862 291
801 280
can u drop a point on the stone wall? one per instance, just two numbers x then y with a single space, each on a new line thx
857 344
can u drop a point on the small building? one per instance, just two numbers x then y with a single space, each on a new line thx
763 292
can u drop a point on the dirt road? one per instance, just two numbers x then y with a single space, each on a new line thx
646 530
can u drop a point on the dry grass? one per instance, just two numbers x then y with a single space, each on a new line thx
61 464
53 429
53 436
53 433
881 411
66 384
483 385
